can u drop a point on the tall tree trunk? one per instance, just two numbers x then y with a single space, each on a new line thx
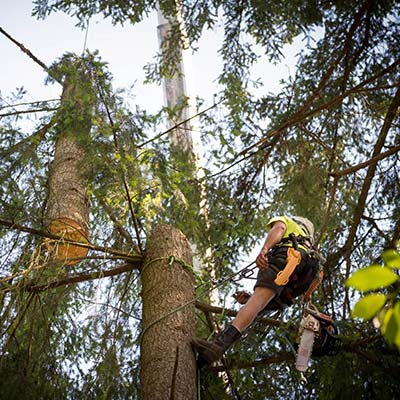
168 366
67 211
185 139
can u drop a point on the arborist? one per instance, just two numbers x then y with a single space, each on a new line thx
288 267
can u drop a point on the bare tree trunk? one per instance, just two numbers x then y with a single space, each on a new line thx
67 211
185 139
168 366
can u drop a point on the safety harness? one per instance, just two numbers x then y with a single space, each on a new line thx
288 277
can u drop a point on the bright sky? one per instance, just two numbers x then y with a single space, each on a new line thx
127 49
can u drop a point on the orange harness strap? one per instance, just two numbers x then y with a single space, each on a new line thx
314 284
292 261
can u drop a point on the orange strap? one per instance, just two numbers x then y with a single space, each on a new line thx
314 284
292 261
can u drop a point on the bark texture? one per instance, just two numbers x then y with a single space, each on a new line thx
168 366
68 206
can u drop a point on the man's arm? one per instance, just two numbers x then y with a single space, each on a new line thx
274 237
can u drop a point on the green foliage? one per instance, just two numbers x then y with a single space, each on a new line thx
369 305
384 307
371 278
268 153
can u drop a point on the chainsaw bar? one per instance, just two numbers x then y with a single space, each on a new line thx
310 326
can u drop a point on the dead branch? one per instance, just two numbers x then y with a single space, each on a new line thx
80 278
133 258
232 313
28 52
29 111
286 356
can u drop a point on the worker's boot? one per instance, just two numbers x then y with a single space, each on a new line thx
213 351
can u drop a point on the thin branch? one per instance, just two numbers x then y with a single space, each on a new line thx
372 221
179 124
113 307
28 103
125 184
232 313
28 111
257 363
18 317
38 135
134 258
79 278
117 224
328 209
299 116
263 161
29 53
367 163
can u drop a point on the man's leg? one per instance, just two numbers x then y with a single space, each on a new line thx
256 303
213 351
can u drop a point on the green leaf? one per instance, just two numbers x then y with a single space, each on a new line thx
371 278
368 306
386 318
391 258
396 315
390 326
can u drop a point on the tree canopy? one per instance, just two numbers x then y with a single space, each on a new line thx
325 147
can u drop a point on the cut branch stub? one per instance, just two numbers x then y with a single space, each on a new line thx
71 230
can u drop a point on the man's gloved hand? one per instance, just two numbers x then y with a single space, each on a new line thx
241 296
262 260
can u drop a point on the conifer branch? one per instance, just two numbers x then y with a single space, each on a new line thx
134 258
367 163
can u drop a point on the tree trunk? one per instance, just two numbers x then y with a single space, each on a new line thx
168 366
67 211
185 139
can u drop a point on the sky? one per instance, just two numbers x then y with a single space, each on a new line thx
127 49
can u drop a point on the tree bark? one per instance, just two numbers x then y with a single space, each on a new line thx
168 366
67 213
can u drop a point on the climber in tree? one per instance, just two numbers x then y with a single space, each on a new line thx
288 267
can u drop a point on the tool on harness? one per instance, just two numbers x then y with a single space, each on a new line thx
284 260
307 280
292 261
315 336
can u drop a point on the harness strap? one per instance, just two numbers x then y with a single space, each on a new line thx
314 284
